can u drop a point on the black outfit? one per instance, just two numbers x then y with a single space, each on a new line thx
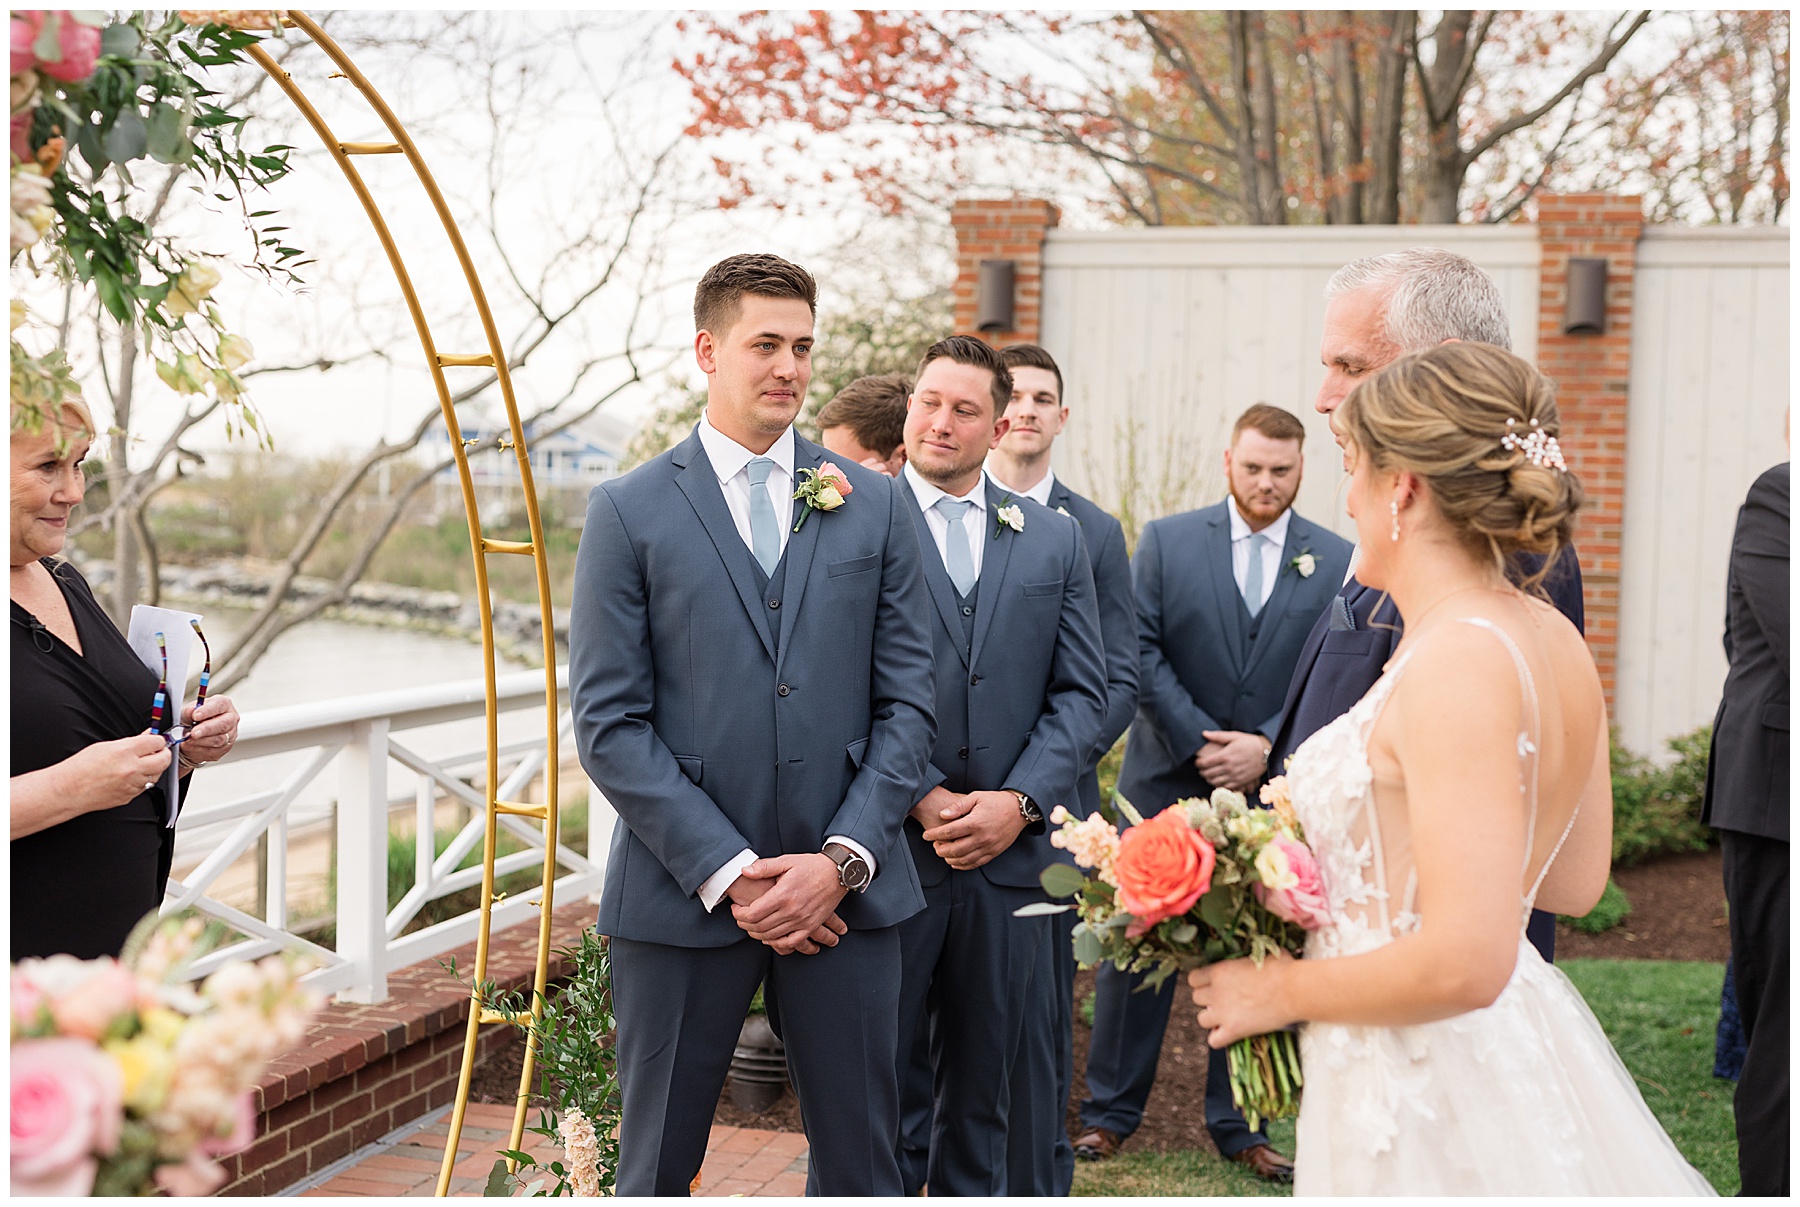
1352 642
80 886
1747 801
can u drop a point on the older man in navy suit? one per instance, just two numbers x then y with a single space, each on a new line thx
752 684
1225 596
1021 693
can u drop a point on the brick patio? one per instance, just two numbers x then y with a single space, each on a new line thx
739 1160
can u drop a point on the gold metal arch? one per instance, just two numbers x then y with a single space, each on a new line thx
343 153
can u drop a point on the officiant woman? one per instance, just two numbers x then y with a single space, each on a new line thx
91 843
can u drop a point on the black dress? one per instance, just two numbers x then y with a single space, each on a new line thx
80 886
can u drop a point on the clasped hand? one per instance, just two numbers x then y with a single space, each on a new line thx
1232 760
1237 999
967 831
790 903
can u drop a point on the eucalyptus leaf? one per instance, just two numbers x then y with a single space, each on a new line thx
1215 910
1187 932
47 46
166 133
1062 880
128 139
121 40
1041 909
1088 951
497 1180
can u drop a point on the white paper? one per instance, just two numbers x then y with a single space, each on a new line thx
179 641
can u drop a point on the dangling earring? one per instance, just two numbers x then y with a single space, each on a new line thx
1394 510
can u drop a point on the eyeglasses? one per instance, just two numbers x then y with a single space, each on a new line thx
159 708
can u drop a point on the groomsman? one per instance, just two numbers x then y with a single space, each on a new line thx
1040 1159
866 422
1021 695
752 685
1377 310
1225 596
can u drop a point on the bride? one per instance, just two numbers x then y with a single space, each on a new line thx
1441 1054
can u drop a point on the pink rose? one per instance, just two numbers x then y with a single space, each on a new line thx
78 44
88 1007
830 473
28 1001
66 1110
193 1178
1289 883
243 1130
21 136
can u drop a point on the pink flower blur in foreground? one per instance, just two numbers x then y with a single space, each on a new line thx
1289 883
66 1110
78 44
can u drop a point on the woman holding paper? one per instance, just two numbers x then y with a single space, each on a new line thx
91 837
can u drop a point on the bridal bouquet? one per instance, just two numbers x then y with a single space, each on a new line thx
126 1081
1202 881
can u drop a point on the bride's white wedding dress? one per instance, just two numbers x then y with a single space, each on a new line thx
1525 1096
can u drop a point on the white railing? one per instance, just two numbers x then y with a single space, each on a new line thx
359 734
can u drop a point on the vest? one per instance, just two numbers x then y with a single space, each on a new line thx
772 590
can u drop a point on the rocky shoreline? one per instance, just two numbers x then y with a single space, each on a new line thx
238 584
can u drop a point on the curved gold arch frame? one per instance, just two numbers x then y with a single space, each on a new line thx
482 546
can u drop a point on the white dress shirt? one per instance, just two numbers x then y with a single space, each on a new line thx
974 522
1039 494
730 461
1275 539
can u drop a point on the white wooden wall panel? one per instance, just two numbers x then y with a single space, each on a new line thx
1178 330
1709 394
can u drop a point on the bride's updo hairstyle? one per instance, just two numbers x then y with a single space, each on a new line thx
1478 424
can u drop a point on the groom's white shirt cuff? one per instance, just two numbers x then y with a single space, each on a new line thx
713 891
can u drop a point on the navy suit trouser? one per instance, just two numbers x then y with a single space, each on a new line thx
679 1011
967 965
1040 1159
1122 1057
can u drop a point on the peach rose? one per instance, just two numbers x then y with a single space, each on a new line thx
1163 866
90 1006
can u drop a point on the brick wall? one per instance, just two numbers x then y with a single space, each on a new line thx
363 1071
1592 375
1009 229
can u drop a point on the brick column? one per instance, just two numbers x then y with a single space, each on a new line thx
1592 375
1009 229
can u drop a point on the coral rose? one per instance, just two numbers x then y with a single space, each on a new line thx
1163 866
1289 883
65 1112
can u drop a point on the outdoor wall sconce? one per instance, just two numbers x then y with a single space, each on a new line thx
994 296
1585 311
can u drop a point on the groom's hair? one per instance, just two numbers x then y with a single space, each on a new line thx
1433 295
718 299
977 353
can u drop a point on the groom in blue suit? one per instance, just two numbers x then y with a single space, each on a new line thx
1021 692
752 685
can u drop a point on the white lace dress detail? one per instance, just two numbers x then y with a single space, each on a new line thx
1523 1097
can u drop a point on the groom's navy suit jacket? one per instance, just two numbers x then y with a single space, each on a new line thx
715 723
1197 672
1020 706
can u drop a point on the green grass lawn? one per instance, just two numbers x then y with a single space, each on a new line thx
1659 1015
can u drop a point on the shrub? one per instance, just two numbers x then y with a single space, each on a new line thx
1656 810
1612 908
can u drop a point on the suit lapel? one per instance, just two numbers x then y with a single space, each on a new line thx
1224 583
1286 582
994 559
936 577
701 486
801 546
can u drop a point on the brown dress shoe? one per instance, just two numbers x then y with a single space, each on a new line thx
1098 1144
1266 1163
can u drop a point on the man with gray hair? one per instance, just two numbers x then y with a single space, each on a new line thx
1377 310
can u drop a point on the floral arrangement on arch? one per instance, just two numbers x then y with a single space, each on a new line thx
126 1081
93 99
1201 881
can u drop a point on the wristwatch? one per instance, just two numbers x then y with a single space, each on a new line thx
1028 808
853 869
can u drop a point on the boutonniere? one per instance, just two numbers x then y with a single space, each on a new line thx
1064 511
1306 563
821 489
1008 515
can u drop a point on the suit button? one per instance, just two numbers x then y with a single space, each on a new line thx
968 611
963 753
974 680
783 690
774 603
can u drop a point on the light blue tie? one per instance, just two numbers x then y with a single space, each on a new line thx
956 544
1253 575
765 533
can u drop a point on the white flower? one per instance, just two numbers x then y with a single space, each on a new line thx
1306 563
1012 517
1064 511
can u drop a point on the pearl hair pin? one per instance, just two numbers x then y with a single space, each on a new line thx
1539 446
